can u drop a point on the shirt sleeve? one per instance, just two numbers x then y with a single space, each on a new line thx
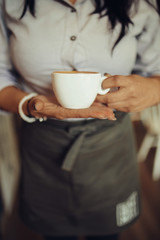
148 58
6 76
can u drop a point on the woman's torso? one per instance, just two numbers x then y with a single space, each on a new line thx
59 38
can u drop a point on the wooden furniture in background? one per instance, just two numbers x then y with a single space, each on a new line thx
150 118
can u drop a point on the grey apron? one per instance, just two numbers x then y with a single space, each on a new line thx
79 178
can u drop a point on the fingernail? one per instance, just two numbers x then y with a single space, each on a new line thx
102 117
112 118
34 107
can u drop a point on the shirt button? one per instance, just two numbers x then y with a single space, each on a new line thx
73 38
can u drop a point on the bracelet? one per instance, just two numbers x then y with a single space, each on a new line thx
20 110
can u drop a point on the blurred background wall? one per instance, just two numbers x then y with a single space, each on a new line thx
9 165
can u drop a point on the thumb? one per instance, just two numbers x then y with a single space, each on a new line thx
107 75
38 105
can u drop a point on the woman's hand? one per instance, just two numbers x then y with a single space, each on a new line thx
43 106
134 93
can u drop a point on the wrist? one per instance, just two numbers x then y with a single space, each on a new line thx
156 94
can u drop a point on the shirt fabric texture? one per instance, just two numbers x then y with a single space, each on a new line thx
59 38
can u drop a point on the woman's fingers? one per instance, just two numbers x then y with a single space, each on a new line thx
38 106
107 75
114 81
134 93
112 97
95 111
41 106
125 107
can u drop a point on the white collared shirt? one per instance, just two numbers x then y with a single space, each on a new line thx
59 38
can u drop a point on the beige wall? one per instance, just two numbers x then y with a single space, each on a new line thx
9 160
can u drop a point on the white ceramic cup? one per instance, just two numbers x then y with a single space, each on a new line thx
77 90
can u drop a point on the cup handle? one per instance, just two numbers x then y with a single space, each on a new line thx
102 91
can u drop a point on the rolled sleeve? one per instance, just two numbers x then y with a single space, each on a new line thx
6 76
148 60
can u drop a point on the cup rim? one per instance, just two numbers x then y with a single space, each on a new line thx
74 72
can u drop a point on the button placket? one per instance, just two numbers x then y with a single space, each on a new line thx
74 36
71 35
